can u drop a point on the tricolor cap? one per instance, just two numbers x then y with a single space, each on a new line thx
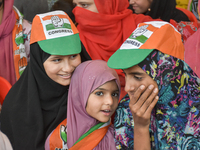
55 33
144 39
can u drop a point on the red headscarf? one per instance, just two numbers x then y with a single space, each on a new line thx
6 49
104 32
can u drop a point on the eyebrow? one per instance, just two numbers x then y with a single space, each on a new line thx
136 73
105 89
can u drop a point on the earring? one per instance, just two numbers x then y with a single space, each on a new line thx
149 9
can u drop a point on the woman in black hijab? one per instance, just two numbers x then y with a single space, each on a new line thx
37 103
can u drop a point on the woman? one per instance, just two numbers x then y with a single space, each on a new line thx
14 41
167 11
174 121
104 25
164 10
36 104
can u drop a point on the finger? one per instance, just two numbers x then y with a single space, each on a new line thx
151 106
145 95
134 97
149 100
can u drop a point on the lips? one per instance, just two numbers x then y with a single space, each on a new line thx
65 76
106 112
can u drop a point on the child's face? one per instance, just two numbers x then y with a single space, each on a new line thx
135 77
87 4
103 101
60 68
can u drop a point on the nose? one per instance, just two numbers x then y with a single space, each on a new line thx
129 85
131 1
67 67
109 100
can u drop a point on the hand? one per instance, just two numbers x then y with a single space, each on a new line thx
141 105
57 22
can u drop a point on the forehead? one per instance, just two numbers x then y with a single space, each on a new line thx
135 68
110 85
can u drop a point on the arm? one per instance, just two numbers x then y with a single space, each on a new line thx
141 107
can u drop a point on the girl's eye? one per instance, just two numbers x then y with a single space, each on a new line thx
73 56
56 60
99 93
138 78
115 94
84 5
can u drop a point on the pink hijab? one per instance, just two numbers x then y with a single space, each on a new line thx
87 77
6 44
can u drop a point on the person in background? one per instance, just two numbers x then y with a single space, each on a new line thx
166 10
192 47
37 103
172 122
66 6
14 41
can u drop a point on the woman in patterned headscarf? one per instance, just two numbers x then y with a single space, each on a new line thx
172 122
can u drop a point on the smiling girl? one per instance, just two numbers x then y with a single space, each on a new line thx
37 103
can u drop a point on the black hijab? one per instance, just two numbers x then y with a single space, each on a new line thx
34 106
166 10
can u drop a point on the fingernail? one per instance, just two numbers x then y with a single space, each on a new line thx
155 90
157 97
151 87
142 87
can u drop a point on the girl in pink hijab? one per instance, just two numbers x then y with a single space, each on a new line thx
93 98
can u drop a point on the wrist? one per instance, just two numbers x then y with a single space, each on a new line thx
142 129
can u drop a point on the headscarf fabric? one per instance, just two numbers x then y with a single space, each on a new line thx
7 69
166 10
103 33
87 77
34 106
176 117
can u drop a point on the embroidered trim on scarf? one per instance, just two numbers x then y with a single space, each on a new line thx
19 53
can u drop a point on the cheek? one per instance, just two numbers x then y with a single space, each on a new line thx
77 61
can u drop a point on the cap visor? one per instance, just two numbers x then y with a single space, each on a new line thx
67 45
126 58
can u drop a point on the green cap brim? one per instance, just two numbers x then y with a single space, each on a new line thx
126 58
67 45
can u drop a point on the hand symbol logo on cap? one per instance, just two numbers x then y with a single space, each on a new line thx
57 22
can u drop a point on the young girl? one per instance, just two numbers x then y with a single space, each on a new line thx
92 99
174 121
36 104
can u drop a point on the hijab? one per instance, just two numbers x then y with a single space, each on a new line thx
7 70
166 10
176 116
42 103
87 77
103 33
